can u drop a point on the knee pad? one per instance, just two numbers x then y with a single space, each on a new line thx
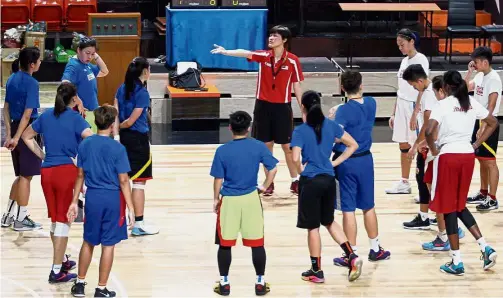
139 186
451 223
467 218
405 150
53 227
61 229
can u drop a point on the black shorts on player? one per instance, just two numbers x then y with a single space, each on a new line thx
492 142
272 122
316 201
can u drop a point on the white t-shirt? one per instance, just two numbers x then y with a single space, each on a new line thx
428 103
406 91
455 126
484 86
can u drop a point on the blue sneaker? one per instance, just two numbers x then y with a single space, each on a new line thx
489 256
69 264
342 261
380 255
461 233
450 268
62 276
437 245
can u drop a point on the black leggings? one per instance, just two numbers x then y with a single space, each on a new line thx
225 258
424 193
451 221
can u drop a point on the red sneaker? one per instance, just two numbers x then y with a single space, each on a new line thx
269 190
294 187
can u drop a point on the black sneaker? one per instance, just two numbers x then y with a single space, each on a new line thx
223 290
104 293
78 289
476 199
316 277
488 205
261 290
417 224
433 222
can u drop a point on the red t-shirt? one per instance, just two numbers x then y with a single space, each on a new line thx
276 85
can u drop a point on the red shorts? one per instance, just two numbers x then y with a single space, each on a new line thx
452 175
428 174
57 184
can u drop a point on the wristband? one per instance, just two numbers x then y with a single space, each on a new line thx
117 138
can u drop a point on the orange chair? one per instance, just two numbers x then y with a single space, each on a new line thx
76 11
14 13
49 11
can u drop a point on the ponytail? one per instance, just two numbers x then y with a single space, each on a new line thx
455 85
133 73
15 66
314 115
64 96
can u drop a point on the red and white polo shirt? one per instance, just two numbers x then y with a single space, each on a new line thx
275 80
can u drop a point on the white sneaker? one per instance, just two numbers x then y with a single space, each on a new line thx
141 229
417 200
401 187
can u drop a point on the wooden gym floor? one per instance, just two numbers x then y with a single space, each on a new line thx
181 260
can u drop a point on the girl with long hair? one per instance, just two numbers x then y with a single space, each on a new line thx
132 126
62 129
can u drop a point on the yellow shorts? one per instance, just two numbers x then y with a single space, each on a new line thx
240 214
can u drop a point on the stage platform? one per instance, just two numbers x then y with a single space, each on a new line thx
321 74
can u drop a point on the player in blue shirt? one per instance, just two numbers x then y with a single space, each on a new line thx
20 109
356 175
132 100
103 164
236 199
82 73
62 129
317 188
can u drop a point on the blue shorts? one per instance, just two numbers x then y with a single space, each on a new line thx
356 184
105 217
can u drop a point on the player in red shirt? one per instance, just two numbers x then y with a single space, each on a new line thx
279 71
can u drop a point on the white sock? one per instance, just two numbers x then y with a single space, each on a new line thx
224 280
482 243
11 204
295 179
374 244
405 180
355 249
260 280
443 236
102 287
424 215
456 256
56 268
21 214
81 281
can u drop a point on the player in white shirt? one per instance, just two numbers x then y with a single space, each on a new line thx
403 121
452 122
486 87
431 93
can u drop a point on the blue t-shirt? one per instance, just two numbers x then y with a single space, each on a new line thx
102 159
237 162
358 120
22 92
83 76
138 99
61 135
317 156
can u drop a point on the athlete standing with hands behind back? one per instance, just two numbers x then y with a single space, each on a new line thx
279 71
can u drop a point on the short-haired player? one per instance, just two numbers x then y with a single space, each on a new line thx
103 163
236 199
486 87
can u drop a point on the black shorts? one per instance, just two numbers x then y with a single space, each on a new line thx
489 148
272 122
424 192
138 151
316 201
25 162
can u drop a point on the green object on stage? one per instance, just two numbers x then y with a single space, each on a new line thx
90 120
